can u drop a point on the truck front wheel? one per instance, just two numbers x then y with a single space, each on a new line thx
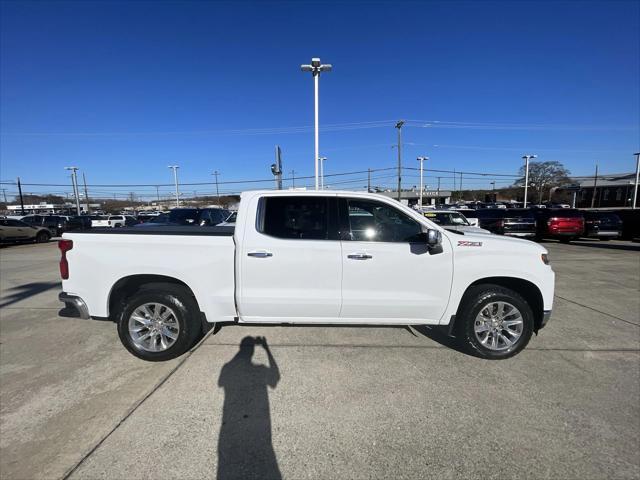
159 322
497 322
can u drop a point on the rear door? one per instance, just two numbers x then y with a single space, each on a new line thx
389 275
290 264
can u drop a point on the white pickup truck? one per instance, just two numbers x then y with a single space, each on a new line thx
308 257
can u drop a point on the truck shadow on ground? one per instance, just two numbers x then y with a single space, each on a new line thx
245 448
439 335
22 292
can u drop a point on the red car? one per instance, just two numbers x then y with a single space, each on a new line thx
565 224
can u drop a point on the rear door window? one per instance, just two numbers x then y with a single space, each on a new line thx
295 217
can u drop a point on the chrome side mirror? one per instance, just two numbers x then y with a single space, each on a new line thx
434 237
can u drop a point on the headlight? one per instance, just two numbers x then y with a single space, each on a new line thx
545 258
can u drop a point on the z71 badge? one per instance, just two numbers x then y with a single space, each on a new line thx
464 243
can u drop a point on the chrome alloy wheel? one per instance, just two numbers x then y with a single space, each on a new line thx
153 327
498 326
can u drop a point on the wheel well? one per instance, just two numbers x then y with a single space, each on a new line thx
529 291
127 286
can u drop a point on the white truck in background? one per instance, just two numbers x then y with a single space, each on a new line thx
308 257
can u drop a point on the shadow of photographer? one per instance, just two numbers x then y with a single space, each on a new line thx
245 449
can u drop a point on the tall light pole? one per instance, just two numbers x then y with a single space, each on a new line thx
315 68
74 180
175 179
421 160
216 173
293 179
526 159
322 160
635 188
399 127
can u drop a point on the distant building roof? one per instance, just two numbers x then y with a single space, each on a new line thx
608 180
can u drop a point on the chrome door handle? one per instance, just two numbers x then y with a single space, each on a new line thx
260 254
359 256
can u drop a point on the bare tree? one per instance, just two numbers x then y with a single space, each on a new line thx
544 175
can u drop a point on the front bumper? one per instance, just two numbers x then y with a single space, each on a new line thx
74 307
546 315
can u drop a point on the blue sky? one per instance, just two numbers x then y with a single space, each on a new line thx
123 89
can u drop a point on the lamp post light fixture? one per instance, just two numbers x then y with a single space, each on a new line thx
322 160
316 68
421 160
526 159
175 179
74 180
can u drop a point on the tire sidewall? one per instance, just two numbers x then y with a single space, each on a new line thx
478 302
184 312
42 237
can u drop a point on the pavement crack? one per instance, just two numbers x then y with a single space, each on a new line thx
135 406
596 310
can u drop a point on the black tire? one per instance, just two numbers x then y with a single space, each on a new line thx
187 313
476 299
43 237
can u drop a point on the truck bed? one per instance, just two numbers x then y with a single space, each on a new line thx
226 231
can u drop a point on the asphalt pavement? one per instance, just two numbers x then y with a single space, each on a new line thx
325 402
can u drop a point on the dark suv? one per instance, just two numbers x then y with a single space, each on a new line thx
512 222
565 224
57 224
602 225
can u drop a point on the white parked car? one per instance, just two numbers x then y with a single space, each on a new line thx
308 257
113 221
456 221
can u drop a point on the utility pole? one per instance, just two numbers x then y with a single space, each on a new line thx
635 188
4 194
595 184
216 173
74 180
399 127
526 159
175 179
158 192
315 68
454 183
461 197
86 191
322 160
276 168
293 179
439 186
21 199
421 160
368 180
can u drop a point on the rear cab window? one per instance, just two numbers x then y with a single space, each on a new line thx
296 217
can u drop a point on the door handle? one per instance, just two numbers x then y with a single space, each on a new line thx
359 256
260 254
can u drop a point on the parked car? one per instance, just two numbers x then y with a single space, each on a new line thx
511 222
56 224
304 258
85 220
12 230
602 225
453 220
230 220
564 224
114 221
190 217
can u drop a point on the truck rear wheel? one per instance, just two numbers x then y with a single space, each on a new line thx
159 322
497 323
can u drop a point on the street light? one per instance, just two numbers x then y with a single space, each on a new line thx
399 127
635 189
74 180
421 160
175 179
526 159
315 68
322 160
216 173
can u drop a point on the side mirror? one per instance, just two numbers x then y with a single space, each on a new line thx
434 237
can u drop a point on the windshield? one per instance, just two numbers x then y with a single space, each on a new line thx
447 218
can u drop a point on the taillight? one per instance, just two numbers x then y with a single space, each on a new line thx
64 246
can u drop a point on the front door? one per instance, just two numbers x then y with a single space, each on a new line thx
388 271
290 263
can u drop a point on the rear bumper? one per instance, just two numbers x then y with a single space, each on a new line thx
74 307
520 234
546 315
608 233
